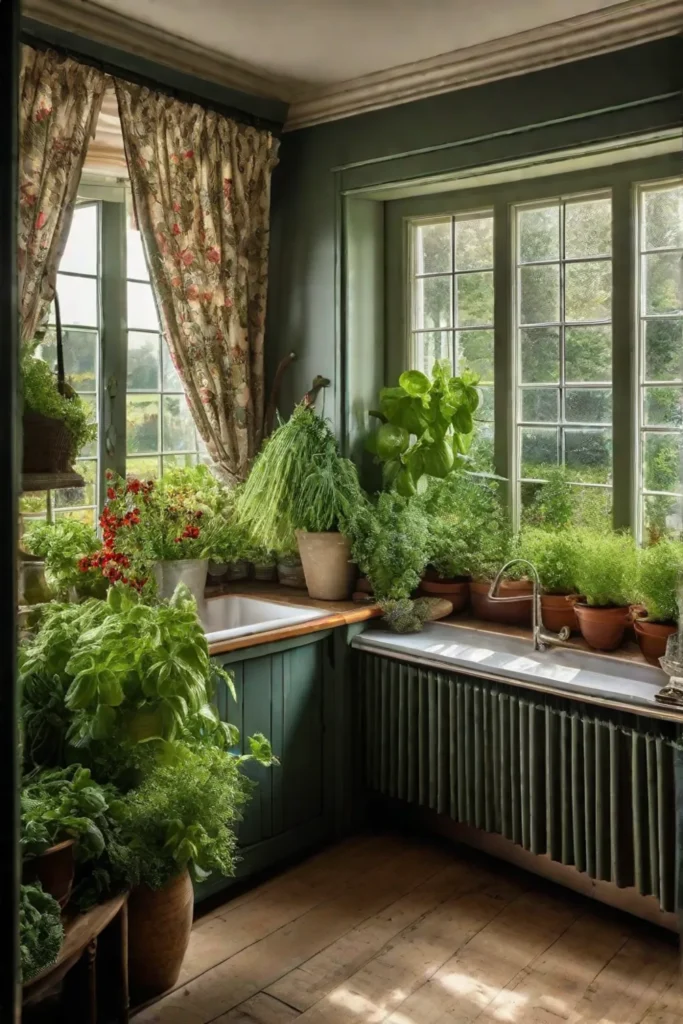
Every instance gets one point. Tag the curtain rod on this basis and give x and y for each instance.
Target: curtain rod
(185, 96)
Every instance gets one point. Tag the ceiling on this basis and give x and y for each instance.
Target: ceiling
(322, 42)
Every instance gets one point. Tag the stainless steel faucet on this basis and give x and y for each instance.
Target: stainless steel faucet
(542, 638)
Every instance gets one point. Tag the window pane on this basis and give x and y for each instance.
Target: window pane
(178, 461)
(588, 455)
(433, 248)
(663, 283)
(178, 425)
(90, 401)
(663, 215)
(33, 503)
(80, 357)
(588, 354)
(592, 507)
(474, 299)
(135, 257)
(664, 407)
(80, 254)
(663, 517)
(662, 462)
(539, 234)
(481, 452)
(171, 380)
(588, 291)
(540, 355)
(433, 302)
(540, 451)
(540, 405)
(540, 294)
(87, 495)
(146, 468)
(475, 352)
(588, 405)
(429, 346)
(664, 350)
(143, 361)
(142, 423)
(142, 314)
(77, 301)
(485, 408)
(82, 515)
(474, 243)
(588, 228)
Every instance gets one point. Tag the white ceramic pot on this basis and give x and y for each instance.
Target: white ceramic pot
(328, 569)
(190, 571)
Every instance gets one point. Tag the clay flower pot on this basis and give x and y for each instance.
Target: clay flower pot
(652, 637)
(602, 628)
(456, 590)
(159, 926)
(54, 869)
(513, 613)
(326, 558)
(557, 611)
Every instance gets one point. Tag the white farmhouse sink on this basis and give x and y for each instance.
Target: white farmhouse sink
(230, 616)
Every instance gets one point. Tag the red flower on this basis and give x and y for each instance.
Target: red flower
(43, 112)
(176, 229)
(176, 207)
(111, 493)
(40, 220)
(213, 254)
(109, 475)
(207, 296)
(192, 291)
(133, 486)
(84, 564)
(187, 257)
(199, 514)
(176, 282)
(188, 154)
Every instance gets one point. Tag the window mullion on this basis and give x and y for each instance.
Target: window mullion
(505, 439)
(624, 364)
(113, 342)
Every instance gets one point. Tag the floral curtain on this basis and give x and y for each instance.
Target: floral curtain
(201, 191)
(59, 103)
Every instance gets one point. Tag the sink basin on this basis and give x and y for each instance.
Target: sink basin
(230, 616)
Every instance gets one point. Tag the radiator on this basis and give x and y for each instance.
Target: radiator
(587, 787)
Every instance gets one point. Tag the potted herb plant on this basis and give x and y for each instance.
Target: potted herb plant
(62, 546)
(605, 571)
(554, 555)
(41, 932)
(299, 493)
(658, 577)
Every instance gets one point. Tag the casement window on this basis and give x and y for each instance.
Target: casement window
(115, 358)
(565, 295)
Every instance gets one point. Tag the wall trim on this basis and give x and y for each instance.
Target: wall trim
(625, 24)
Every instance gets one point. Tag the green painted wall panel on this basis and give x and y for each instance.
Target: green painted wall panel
(302, 748)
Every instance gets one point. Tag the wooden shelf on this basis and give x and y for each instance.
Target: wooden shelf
(50, 481)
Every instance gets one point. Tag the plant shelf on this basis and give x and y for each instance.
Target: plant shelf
(50, 481)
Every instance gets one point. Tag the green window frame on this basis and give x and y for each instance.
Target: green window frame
(625, 183)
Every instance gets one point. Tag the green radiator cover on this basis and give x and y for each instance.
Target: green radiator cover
(585, 786)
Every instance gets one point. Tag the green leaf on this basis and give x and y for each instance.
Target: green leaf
(415, 383)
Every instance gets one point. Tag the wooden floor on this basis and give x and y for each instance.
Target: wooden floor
(402, 931)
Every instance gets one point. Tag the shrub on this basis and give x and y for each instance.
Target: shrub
(606, 567)
(555, 556)
(658, 580)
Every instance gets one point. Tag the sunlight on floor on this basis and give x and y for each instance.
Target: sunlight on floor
(373, 1013)
(509, 1005)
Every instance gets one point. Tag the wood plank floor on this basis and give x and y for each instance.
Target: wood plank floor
(396, 930)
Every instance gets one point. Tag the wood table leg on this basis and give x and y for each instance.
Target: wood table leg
(124, 1004)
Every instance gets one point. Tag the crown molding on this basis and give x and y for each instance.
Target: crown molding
(616, 27)
(111, 28)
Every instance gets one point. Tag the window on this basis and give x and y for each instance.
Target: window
(660, 259)
(160, 431)
(453, 308)
(563, 357)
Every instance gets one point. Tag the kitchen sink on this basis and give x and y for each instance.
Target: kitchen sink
(231, 616)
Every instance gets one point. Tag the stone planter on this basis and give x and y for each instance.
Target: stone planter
(326, 558)
(190, 571)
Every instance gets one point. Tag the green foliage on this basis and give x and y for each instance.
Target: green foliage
(130, 672)
(40, 930)
(298, 482)
(404, 616)
(42, 395)
(470, 531)
(658, 580)
(61, 545)
(605, 568)
(45, 718)
(391, 544)
(554, 553)
(553, 504)
(197, 487)
(64, 804)
(183, 814)
(438, 413)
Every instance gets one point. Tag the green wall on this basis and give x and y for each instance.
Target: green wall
(325, 300)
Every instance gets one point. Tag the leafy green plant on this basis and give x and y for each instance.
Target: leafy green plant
(553, 504)
(131, 672)
(437, 413)
(62, 545)
(470, 528)
(554, 553)
(183, 814)
(659, 576)
(197, 487)
(58, 804)
(42, 395)
(299, 481)
(605, 568)
(41, 932)
(391, 544)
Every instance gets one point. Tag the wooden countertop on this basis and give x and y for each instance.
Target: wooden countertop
(340, 613)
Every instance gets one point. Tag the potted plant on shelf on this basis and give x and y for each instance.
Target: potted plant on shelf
(300, 492)
(605, 570)
(554, 555)
(41, 932)
(658, 576)
(62, 545)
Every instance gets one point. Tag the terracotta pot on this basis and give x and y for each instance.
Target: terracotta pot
(457, 591)
(54, 869)
(513, 613)
(603, 629)
(326, 558)
(652, 637)
(159, 926)
(557, 611)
